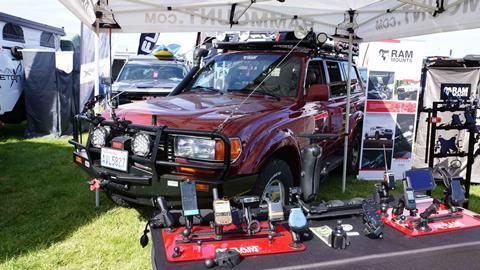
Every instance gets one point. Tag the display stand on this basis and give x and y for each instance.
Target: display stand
(448, 106)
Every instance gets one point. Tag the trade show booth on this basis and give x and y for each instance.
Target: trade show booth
(156, 154)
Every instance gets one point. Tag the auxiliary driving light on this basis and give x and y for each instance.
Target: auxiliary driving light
(99, 137)
(141, 144)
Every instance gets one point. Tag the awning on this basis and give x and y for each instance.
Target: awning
(372, 19)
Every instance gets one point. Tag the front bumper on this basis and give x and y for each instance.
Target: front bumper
(148, 178)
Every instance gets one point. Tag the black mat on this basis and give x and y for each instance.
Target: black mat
(453, 250)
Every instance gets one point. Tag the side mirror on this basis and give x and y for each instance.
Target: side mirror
(106, 80)
(198, 54)
(318, 92)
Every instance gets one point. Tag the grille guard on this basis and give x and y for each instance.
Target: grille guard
(161, 135)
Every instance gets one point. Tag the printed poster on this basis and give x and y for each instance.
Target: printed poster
(393, 83)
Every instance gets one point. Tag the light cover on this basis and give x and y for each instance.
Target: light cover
(99, 137)
(194, 147)
(141, 144)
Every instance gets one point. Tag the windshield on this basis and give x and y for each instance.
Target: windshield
(243, 72)
(152, 72)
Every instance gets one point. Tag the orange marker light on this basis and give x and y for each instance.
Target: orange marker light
(194, 171)
(78, 159)
(235, 149)
(202, 187)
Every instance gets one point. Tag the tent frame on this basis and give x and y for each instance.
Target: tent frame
(419, 7)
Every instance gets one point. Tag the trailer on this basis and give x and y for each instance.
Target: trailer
(18, 34)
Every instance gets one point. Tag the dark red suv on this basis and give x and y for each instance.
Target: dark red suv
(215, 131)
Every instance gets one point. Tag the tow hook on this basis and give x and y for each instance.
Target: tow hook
(95, 184)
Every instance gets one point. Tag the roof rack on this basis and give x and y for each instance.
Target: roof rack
(338, 49)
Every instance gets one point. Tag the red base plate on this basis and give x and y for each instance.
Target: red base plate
(467, 220)
(256, 244)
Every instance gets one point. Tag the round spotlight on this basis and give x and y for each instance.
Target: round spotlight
(244, 35)
(141, 144)
(99, 137)
(222, 36)
(322, 38)
(300, 33)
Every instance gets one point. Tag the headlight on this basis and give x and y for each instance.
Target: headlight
(99, 137)
(141, 144)
(192, 147)
(207, 149)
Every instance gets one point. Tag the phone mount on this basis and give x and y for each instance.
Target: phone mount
(407, 201)
(454, 193)
(445, 147)
(425, 215)
(298, 225)
(163, 218)
(339, 238)
(247, 203)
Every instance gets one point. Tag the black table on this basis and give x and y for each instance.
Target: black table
(453, 250)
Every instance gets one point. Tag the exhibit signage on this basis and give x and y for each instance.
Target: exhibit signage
(11, 81)
(457, 90)
(394, 69)
(146, 43)
(441, 83)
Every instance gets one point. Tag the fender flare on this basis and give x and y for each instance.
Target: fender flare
(274, 143)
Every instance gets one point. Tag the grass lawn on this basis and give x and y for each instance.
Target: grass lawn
(48, 219)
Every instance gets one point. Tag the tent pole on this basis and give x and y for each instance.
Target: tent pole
(347, 111)
(96, 89)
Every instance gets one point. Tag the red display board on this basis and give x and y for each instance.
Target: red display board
(257, 244)
(467, 220)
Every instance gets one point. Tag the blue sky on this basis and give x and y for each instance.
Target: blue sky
(53, 13)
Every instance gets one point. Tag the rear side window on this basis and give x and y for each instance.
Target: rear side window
(47, 40)
(345, 68)
(13, 32)
(334, 72)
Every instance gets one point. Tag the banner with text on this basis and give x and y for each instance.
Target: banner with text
(394, 69)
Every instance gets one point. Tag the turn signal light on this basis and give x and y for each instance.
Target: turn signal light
(202, 187)
(78, 159)
(235, 149)
(194, 171)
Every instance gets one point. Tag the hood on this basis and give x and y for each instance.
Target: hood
(201, 111)
(142, 85)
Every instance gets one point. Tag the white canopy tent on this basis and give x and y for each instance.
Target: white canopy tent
(363, 20)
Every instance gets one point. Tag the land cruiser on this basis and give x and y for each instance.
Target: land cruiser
(237, 124)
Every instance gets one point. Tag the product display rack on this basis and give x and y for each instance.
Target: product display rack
(449, 106)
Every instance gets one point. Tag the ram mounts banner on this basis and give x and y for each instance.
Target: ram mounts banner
(394, 69)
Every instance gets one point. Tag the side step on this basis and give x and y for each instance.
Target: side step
(333, 163)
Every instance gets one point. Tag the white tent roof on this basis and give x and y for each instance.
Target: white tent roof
(375, 19)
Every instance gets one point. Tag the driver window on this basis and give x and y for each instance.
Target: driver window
(314, 74)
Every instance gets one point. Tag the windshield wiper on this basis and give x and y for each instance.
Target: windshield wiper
(268, 94)
(208, 88)
(257, 91)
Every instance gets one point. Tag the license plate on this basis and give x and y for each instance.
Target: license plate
(114, 159)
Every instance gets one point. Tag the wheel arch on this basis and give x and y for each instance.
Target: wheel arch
(289, 153)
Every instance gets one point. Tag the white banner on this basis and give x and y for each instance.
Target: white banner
(394, 70)
(414, 23)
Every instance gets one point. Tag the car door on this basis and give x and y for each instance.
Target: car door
(318, 109)
(336, 104)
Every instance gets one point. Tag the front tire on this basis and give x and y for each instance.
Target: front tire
(353, 159)
(274, 181)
